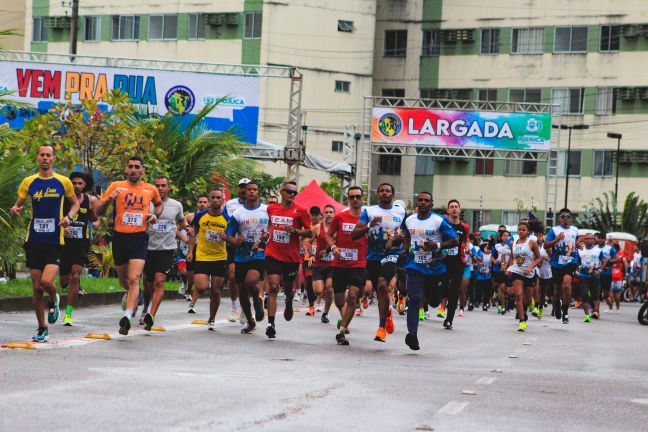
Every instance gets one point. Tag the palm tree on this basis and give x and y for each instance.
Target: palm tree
(599, 214)
(199, 157)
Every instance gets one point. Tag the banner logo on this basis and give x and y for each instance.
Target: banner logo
(390, 125)
(533, 126)
(179, 100)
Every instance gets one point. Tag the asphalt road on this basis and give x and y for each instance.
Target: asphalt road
(481, 376)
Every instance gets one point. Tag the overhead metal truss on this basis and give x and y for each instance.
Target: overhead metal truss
(457, 153)
(165, 65)
(463, 105)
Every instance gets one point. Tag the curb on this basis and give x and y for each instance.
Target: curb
(22, 304)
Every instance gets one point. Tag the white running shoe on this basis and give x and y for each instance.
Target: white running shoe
(234, 315)
(242, 318)
(211, 326)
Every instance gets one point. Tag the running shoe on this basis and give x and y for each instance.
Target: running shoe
(188, 297)
(211, 325)
(182, 290)
(341, 339)
(608, 310)
(381, 335)
(540, 311)
(53, 312)
(427, 315)
(358, 312)
(81, 292)
(485, 308)
(471, 307)
(288, 311)
(578, 304)
(534, 312)
(41, 336)
(532, 306)
(595, 315)
(400, 306)
(422, 315)
(243, 318)
(271, 332)
(234, 315)
(148, 321)
(259, 313)
(249, 328)
(412, 342)
(587, 318)
(500, 310)
(441, 313)
(141, 321)
(447, 325)
(565, 319)
(339, 324)
(124, 325)
(67, 320)
(191, 309)
(461, 312)
(310, 311)
(522, 326)
(318, 308)
(365, 302)
(389, 322)
(558, 313)
(324, 318)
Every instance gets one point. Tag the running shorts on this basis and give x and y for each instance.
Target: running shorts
(242, 269)
(161, 261)
(211, 268)
(74, 253)
(38, 255)
(287, 270)
(129, 246)
(344, 277)
(376, 269)
(322, 273)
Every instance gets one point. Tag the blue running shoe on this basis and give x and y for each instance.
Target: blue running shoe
(53, 313)
(41, 335)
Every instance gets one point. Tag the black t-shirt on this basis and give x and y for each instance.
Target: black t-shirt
(453, 259)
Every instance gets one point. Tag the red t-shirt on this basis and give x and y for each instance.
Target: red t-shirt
(284, 246)
(354, 252)
(617, 268)
(322, 258)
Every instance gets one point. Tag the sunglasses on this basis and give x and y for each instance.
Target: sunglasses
(565, 216)
(353, 197)
(290, 191)
(134, 166)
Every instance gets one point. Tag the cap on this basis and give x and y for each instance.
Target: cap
(244, 181)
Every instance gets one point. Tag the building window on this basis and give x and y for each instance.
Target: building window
(125, 27)
(92, 29)
(431, 45)
(163, 27)
(484, 166)
(574, 163)
(395, 43)
(196, 26)
(393, 92)
(424, 166)
(527, 41)
(570, 100)
(253, 22)
(610, 38)
(605, 101)
(517, 168)
(570, 39)
(603, 163)
(345, 26)
(389, 164)
(530, 95)
(428, 93)
(512, 217)
(490, 41)
(487, 95)
(40, 31)
(342, 86)
(336, 146)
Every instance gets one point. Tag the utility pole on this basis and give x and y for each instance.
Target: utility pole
(73, 27)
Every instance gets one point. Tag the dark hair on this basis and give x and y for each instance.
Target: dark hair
(202, 196)
(165, 178)
(216, 188)
(136, 158)
(536, 226)
(500, 234)
(78, 174)
(329, 206)
(616, 247)
(564, 210)
(288, 182)
(600, 235)
(524, 224)
(315, 211)
(471, 237)
(393, 190)
(424, 192)
(252, 182)
(501, 226)
(453, 201)
(47, 145)
(355, 188)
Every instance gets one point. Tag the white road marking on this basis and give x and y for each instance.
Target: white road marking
(453, 408)
(640, 401)
(485, 380)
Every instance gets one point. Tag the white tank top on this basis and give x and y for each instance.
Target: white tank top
(522, 258)
(544, 272)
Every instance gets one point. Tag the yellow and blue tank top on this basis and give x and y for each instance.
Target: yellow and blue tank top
(47, 195)
(208, 228)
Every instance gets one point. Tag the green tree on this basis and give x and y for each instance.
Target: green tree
(333, 187)
(268, 184)
(599, 214)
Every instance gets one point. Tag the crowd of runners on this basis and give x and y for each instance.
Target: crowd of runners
(408, 262)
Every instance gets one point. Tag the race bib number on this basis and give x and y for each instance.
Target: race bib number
(453, 252)
(328, 257)
(252, 236)
(281, 236)
(484, 268)
(133, 219)
(213, 236)
(74, 232)
(314, 249)
(349, 254)
(44, 225)
(422, 257)
(163, 227)
(564, 260)
(389, 258)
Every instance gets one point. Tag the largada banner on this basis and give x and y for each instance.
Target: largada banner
(182, 93)
(467, 129)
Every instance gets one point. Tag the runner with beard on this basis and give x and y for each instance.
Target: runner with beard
(456, 264)
(321, 263)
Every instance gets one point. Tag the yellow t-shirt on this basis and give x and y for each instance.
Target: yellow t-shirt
(209, 246)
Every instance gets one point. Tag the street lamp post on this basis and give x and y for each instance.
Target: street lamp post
(617, 136)
(576, 127)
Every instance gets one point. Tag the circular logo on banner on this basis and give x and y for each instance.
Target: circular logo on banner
(390, 125)
(533, 126)
(179, 100)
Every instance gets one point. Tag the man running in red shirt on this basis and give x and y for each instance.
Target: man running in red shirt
(350, 262)
(287, 222)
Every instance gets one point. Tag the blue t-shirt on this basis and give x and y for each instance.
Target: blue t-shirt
(484, 267)
(562, 253)
(380, 242)
(251, 224)
(609, 253)
(433, 229)
(589, 261)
